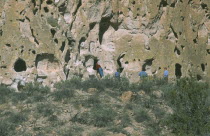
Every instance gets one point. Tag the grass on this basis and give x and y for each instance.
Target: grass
(118, 129)
(183, 108)
(98, 116)
(6, 128)
(5, 94)
(71, 131)
(45, 109)
(191, 109)
(141, 115)
(98, 133)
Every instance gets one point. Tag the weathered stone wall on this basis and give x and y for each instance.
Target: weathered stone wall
(52, 40)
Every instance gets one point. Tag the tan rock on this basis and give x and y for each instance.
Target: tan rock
(7, 81)
(127, 34)
(127, 96)
(120, 134)
(92, 90)
(157, 94)
(141, 93)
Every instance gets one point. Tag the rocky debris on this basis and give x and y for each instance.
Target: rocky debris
(127, 96)
(157, 94)
(71, 35)
(141, 93)
(92, 90)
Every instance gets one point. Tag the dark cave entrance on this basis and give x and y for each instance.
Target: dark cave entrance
(120, 68)
(20, 65)
(178, 70)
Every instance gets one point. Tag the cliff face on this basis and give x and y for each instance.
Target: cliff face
(52, 40)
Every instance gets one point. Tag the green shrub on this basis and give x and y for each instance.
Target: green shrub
(159, 113)
(71, 131)
(32, 89)
(99, 116)
(45, 110)
(17, 118)
(153, 129)
(93, 100)
(113, 83)
(6, 128)
(189, 102)
(53, 118)
(93, 83)
(32, 92)
(5, 93)
(147, 86)
(63, 94)
(102, 116)
(98, 133)
(118, 129)
(19, 96)
(141, 115)
(10, 122)
(125, 119)
(74, 83)
(66, 89)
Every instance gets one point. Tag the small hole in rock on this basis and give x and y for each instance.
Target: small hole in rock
(199, 77)
(56, 41)
(177, 51)
(8, 45)
(46, 9)
(20, 65)
(178, 70)
(203, 67)
(67, 57)
(63, 46)
(34, 52)
(49, 2)
(52, 32)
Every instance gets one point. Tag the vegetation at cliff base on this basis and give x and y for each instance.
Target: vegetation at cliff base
(107, 107)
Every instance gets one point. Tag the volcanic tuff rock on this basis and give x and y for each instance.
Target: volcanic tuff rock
(52, 40)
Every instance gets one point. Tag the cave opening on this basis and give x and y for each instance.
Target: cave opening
(53, 32)
(163, 3)
(204, 6)
(62, 9)
(178, 70)
(35, 11)
(92, 25)
(81, 43)
(63, 46)
(103, 27)
(67, 56)
(1, 32)
(147, 66)
(203, 67)
(46, 10)
(56, 41)
(121, 68)
(49, 2)
(45, 56)
(20, 65)
(199, 77)
(177, 51)
(95, 60)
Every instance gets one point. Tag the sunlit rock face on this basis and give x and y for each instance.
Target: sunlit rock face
(52, 40)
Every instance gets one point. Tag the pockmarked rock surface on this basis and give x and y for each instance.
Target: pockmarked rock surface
(52, 40)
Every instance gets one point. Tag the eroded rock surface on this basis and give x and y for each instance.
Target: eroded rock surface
(52, 40)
